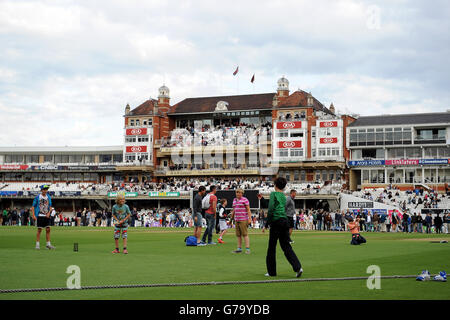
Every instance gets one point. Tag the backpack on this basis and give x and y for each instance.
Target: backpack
(205, 201)
(190, 241)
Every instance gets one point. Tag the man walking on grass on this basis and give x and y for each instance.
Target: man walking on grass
(210, 215)
(290, 212)
(197, 213)
(40, 211)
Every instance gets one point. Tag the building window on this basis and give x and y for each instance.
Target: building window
(322, 152)
(431, 152)
(388, 136)
(335, 152)
(317, 175)
(444, 152)
(48, 158)
(413, 153)
(283, 134)
(370, 137)
(296, 134)
(296, 152)
(379, 136)
(89, 158)
(407, 136)
(362, 137)
(353, 137)
(117, 157)
(31, 159)
(357, 154)
(398, 136)
(13, 158)
(132, 122)
(283, 152)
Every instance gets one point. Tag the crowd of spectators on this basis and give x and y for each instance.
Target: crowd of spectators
(304, 219)
(242, 134)
(408, 201)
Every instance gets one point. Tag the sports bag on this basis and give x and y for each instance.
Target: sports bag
(191, 241)
(205, 201)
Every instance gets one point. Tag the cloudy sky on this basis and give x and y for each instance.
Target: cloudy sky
(68, 68)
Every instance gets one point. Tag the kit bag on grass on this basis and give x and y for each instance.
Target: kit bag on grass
(191, 241)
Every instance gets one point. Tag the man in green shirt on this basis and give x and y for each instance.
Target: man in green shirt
(4, 217)
(279, 230)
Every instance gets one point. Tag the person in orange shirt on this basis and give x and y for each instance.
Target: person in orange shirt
(353, 226)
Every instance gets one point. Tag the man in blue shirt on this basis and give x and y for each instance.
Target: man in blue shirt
(40, 211)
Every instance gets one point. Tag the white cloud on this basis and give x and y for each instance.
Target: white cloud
(79, 63)
(38, 18)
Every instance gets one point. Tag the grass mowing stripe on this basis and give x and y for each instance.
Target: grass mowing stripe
(203, 283)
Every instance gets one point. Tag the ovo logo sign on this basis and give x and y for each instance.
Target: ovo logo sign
(328, 124)
(136, 131)
(288, 144)
(328, 140)
(289, 125)
(136, 149)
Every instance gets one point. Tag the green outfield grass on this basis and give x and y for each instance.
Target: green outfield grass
(159, 256)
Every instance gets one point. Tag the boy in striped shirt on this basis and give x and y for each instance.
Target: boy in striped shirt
(242, 215)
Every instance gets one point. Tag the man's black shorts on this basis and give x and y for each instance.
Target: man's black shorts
(43, 222)
(290, 222)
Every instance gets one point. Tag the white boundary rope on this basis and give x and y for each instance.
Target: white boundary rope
(154, 285)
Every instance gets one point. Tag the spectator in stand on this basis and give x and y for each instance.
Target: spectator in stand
(383, 220)
(428, 222)
(108, 217)
(133, 216)
(319, 218)
(78, 218)
(83, 217)
(14, 217)
(405, 222)
(394, 222)
(61, 219)
(375, 221)
(419, 221)
(388, 222)
(98, 218)
(447, 222)
(26, 217)
(2, 217)
(438, 223)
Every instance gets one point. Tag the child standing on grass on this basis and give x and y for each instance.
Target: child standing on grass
(242, 215)
(221, 210)
(279, 230)
(121, 213)
(353, 226)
